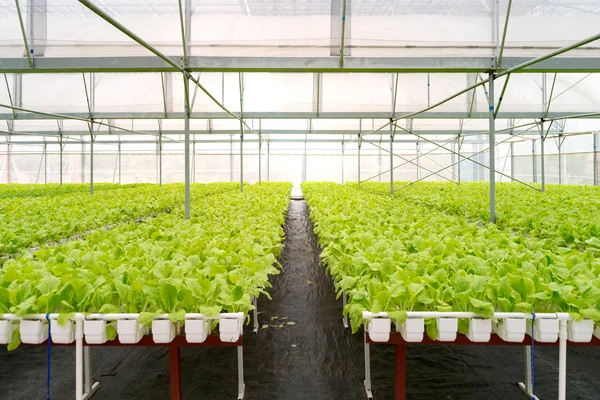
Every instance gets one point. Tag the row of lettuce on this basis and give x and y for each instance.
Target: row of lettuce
(17, 190)
(393, 255)
(215, 262)
(562, 215)
(31, 221)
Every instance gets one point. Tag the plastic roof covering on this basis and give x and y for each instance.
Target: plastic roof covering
(302, 28)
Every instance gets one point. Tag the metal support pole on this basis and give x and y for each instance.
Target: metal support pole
(45, 164)
(400, 372)
(492, 147)
(268, 160)
(241, 82)
(342, 163)
(186, 84)
(119, 150)
(562, 360)
(417, 150)
(60, 158)
(560, 142)
(92, 161)
(458, 154)
(596, 158)
(175, 373)
(534, 164)
(367, 381)
(241, 384)
(543, 161)
(359, 145)
(259, 160)
(512, 162)
(391, 159)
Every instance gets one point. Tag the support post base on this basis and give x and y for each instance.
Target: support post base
(94, 389)
(527, 392)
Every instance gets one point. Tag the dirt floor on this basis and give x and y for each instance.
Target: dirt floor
(315, 358)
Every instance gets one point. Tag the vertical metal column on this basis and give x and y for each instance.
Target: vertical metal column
(492, 145)
(92, 159)
(268, 160)
(241, 81)
(359, 145)
(596, 159)
(342, 162)
(231, 157)
(512, 162)
(391, 158)
(560, 166)
(186, 84)
(259, 159)
(417, 149)
(543, 162)
(119, 158)
(45, 164)
(60, 156)
(459, 159)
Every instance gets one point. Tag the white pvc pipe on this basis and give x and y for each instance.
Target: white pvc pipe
(461, 314)
(81, 316)
(562, 359)
(79, 359)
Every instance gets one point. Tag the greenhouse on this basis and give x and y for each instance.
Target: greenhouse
(299, 199)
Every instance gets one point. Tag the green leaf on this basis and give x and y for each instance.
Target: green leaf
(398, 316)
(237, 293)
(177, 316)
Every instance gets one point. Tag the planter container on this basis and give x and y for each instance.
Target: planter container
(196, 330)
(163, 331)
(412, 330)
(511, 329)
(379, 329)
(62, 334)
(130, 331)
(34, 332)
(581, 331)
(596, 332)
(545, 330)
(480, 330)
(447, 329)
(6, 330)
(94, 331)
(230, 329)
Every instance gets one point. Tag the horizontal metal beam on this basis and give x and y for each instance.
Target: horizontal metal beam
(292, 115)
(228, 141)
(294, 64)
(213, 132)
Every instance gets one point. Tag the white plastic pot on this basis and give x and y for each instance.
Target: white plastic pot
(34, 332)
(379, 329)
(230, 329)
(545, 330)
(480, 330)
(6, 330)
(196, 330)
(596, 332)
(511, 329)
(447, 329)
(581, 331)
(94, 331)
(412, 329)
(163, 331)
(130, 331)
(62, 334)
